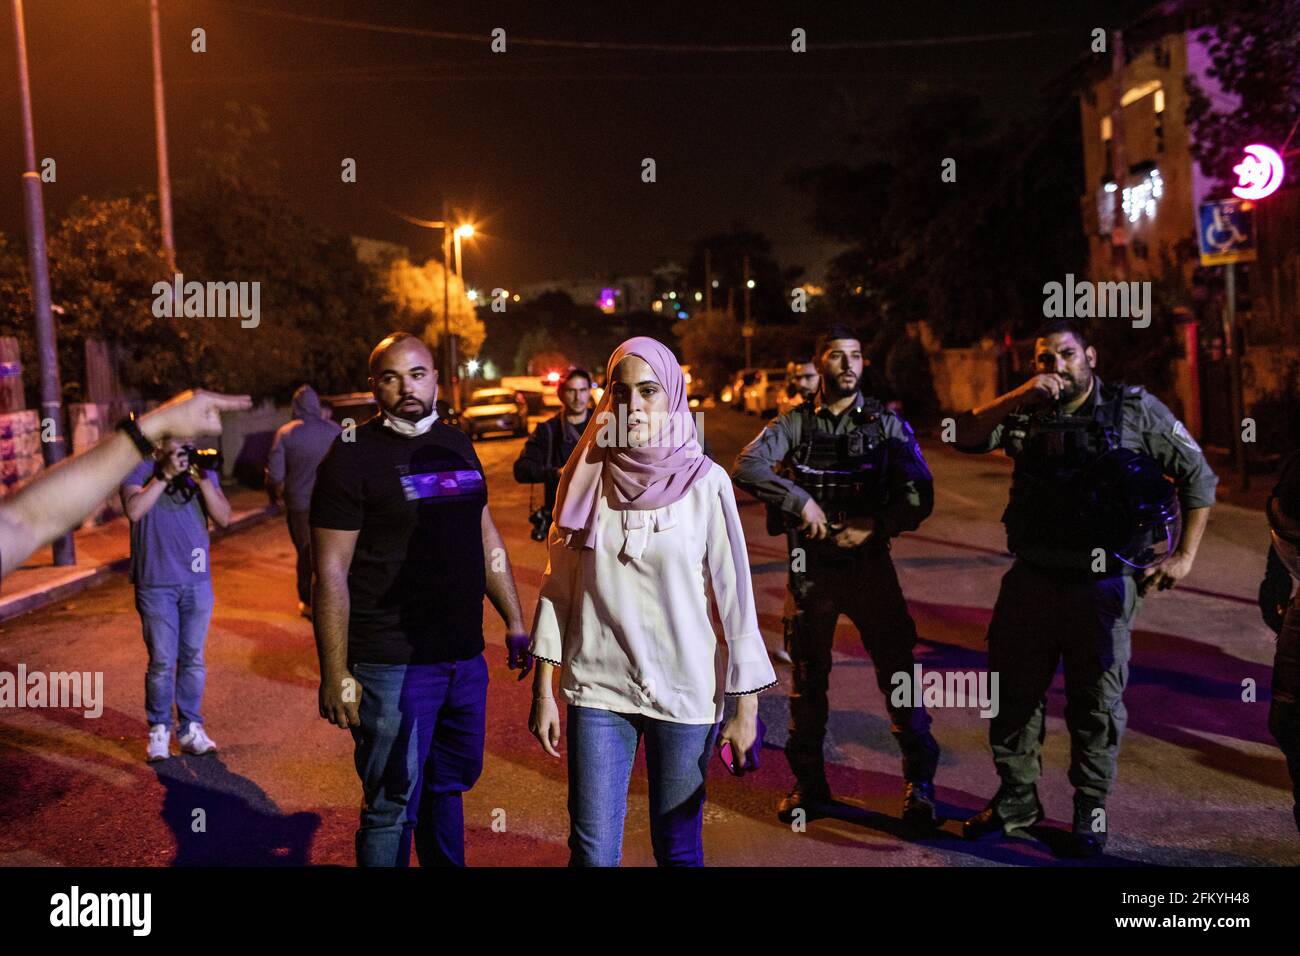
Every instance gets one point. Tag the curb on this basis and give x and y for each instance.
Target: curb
(33, 599)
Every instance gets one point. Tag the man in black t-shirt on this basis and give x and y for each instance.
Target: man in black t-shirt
(405, 550)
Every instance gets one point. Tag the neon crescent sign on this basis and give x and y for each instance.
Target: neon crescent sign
(1259, 174)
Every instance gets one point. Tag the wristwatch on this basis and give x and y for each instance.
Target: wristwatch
(132, 429)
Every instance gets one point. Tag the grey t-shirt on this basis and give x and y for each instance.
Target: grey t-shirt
(166, 542)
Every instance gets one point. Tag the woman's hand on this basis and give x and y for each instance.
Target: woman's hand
(544, 724)
(741, 730)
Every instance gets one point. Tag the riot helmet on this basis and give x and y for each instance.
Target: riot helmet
(1132, 508)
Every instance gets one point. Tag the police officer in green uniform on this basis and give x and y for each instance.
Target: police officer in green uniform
(841, 477)
(1064, 597)
(1281, 606)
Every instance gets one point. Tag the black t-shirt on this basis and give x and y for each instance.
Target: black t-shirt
(416, 582)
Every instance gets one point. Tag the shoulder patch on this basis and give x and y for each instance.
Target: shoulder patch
(1184, 437)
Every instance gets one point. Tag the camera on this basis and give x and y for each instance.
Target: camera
(208, 459)
(541, 522)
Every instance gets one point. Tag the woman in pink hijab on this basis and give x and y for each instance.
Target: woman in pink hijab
(646, 533)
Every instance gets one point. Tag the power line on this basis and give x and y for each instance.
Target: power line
(543, 42)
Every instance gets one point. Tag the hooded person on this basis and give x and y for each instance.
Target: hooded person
(646, 534)
(297, 450)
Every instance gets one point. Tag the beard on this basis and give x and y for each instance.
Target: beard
(833, 386)
(412, 413)
(1075, 386)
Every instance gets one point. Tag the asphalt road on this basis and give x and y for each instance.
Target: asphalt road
(1200, 780)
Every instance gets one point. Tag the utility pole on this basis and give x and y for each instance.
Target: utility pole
(46, 345)
(446, 305)
(1236, 399)
(160, 136)
(1119, 168)
(747, 330)
(708, 281)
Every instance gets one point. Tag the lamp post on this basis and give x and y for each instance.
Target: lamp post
(451, 235)
(46, 343)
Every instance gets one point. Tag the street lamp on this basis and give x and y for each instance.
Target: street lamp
(449, 232)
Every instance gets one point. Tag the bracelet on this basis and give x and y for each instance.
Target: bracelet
(132, 430)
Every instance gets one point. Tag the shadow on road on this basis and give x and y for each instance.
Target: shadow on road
(222, 819)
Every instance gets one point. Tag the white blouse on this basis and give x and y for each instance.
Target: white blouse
(628, 620)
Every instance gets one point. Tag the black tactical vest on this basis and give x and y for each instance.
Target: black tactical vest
(1052, 450)
(845, 474)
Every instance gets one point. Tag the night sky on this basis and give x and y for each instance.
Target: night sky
(541, 145)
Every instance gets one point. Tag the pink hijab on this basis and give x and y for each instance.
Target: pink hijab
(641, 478)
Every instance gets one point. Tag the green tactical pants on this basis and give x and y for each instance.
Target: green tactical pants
(864, 588)
(1043, 616)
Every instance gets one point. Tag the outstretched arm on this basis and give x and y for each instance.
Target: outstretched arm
(53, 503)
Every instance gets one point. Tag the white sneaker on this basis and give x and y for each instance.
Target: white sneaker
(160, 739)
(195, 741)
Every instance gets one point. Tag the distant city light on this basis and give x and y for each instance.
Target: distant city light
(672, 295)
(1111, 187)
(516, 296)
(715, 283)
(749, 284)
(472, 295)
(472, 366)
(553, 377)
(699, 296)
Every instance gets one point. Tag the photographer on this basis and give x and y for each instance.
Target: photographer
(57, 500)
(551, 443)
(169, 500)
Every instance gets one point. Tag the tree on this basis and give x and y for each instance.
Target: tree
(967, 252)
(708, 345)
(417, 292)
(1254, 49)
(769, 300)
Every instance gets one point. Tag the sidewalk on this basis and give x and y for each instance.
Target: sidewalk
(103, 551)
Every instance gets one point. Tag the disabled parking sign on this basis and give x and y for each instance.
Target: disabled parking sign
(1226, 232)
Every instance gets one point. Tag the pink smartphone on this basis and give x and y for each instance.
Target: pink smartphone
(726, 754)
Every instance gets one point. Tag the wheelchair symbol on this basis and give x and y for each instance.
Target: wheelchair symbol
(1222, 234)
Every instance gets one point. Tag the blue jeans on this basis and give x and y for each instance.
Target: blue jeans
(419, 747)
(602, 746)
(175, 621)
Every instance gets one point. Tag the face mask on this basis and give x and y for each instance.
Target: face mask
(410, 429)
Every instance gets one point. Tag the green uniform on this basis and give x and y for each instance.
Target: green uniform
(1053, 606)
(860, 583)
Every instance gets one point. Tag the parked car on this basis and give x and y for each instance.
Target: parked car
(495, 410)
(733, 393)
(763, 394)
(696, 388)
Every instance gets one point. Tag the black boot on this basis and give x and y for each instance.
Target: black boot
(1089, 830)
(1009, 810)
(918, 805)
(809, 795)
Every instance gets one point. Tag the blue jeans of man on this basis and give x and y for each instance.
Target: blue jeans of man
(602, 747)
(419, 747)
(175, 621)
